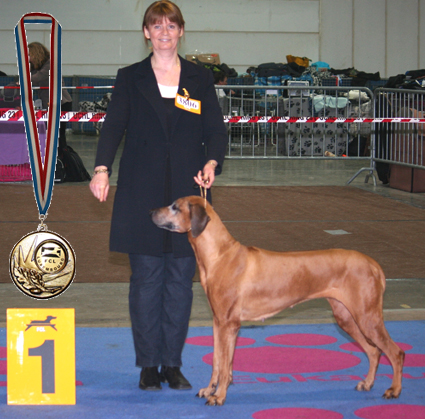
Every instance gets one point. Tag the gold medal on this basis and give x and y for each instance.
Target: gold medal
(42, 264)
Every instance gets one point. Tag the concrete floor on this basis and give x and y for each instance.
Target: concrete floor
(105, 305)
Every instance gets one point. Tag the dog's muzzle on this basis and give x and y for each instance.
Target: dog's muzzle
(160, 220)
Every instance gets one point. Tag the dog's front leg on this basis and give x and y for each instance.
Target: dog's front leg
(210, 390)
(225, 335)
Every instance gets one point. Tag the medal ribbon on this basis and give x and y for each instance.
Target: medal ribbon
(42, 172)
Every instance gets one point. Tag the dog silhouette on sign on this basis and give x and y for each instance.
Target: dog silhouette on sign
(42, 323)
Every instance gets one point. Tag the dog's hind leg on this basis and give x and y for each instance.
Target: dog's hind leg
(374, 329)
(346, 321)
(368, 329)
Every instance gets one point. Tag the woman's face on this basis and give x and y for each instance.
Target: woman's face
(164, 35)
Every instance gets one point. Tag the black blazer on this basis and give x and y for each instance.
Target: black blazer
(138, 111)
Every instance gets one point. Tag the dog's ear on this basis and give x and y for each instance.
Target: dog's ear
(198, 219)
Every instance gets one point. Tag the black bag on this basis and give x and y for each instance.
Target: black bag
(59, 171)
(74, 166)
(294, 70)
(229, 72)
(416, 74)
(271, 69)
(395, 81)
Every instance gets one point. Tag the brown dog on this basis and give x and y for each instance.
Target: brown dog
(248, 283)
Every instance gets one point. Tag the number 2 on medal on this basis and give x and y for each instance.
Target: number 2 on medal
(47, 353)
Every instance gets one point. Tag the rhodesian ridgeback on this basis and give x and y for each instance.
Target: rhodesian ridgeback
(248, 283)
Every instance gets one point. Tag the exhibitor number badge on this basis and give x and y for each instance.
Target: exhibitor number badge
(42, 264)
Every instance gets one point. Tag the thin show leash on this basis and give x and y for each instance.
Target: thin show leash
(204, 189)
(204, 194)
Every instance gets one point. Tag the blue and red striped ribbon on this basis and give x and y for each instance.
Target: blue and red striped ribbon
(42, 172)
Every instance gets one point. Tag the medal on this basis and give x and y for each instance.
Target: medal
(42, 263)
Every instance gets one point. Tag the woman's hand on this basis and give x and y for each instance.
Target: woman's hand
(206, 177)
(99, 184)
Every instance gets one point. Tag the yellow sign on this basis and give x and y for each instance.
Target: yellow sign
(187, 104)
(41, 356)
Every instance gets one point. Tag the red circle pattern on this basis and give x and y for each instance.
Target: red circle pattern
(394, 411)
(3, 367)
(287, 360)
(296, 413)
(209, 341)
(276, 360)
(355, 347)
(302, 339)
(410, 360)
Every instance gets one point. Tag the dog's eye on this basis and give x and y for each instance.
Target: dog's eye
(174, 207)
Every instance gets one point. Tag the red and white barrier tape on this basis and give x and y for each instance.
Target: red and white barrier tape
(314, 120)
(63, 87)
(16, 115)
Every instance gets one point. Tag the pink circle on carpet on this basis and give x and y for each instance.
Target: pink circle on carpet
(296, 413)
(3, 352)
(3, 367)
(277, 360)
(392, 411)
(411, 360)
(302, 339)
(209, 341)
(355, 347)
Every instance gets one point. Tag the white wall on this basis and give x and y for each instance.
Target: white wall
(99, 36)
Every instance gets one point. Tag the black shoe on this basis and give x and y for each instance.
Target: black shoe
(149, 379)
(174, 378)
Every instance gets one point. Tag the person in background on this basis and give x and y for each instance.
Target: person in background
(220, 79)
(39, 57)
(168, 150)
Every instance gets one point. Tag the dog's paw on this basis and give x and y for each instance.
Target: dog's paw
(215, 401)
(391, 393)
(363, 386)
(205, 392)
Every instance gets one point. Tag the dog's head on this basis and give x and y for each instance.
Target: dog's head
(184, 215)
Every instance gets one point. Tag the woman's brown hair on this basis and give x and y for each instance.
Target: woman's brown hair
(39, 54)
(159, 10)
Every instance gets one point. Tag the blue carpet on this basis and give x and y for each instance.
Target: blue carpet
(291, 371)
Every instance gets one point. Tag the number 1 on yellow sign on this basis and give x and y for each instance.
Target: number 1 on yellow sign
(41, 356)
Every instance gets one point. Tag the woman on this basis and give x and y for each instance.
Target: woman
(167, 149)
(39, 57)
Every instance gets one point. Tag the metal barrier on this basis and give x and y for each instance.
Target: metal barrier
(398, 139)
(401, 142)
(268, 122)
(290, 122)
(297, 122)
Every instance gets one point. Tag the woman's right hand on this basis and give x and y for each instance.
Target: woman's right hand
(99, 185)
